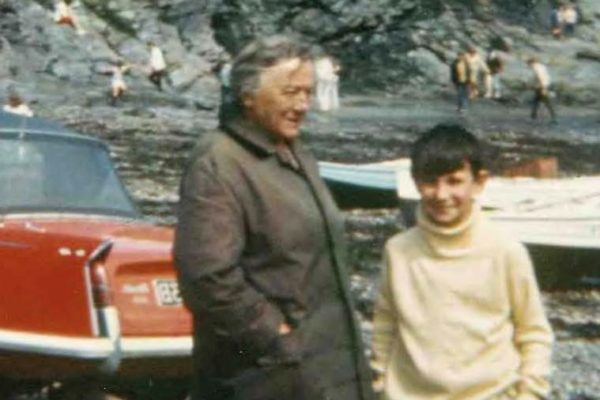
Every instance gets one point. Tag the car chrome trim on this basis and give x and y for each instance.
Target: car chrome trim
(109, 316)
(52, 134)
(99, 251)
(69, 215)
(139, 347)
(156, 346)
(109, 351)
(90, 301)
(54, 345)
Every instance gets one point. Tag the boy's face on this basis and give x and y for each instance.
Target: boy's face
(447, 200)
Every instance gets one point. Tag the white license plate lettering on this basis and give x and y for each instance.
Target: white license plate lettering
(167, 292)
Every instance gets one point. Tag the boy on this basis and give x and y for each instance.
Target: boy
(459, 314)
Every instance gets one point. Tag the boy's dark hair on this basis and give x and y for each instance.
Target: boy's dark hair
(444, 149)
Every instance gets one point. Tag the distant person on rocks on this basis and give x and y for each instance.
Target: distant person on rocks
(224, 74)
(223, 71)
(326, 71)
(16, 105)
(541, 84)
(495, 63)
(478, 69)
(459, 75)
(569, 18)
(64, 15)
(578, 10)
(459, 313)
(556, 15)
(157, 65)
(118, 87)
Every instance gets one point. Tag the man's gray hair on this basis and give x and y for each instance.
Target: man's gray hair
(260, 54)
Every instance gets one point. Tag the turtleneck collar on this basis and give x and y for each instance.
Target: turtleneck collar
(453, 241)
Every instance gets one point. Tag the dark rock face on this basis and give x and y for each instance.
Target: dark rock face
(390, 45)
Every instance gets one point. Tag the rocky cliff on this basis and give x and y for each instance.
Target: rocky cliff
(398, 46)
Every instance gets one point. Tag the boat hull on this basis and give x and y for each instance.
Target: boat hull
(365, 186)
(557, 263)
(349, 196)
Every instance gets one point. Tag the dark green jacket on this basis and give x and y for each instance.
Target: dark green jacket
(259, 242)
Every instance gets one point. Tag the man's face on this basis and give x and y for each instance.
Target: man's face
(282, 98)
(447, 200)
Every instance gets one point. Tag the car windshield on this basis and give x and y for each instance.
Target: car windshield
(40, 173)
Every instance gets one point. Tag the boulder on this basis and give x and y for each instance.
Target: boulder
(429, 65)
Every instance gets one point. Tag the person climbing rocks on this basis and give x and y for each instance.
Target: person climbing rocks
(459, 75)
(118, 87)
(541, 84)
(64, 15)
(478, 69)
(157, 65)
(495, 64)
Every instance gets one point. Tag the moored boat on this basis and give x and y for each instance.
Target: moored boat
(557, 211)
(557, 218)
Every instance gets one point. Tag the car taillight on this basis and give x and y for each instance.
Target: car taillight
(101, 291)
(100, 286)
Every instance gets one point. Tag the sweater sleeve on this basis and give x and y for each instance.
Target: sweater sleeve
(533, 336)
(384, 322)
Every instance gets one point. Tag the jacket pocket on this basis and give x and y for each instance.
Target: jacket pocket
(284, 350)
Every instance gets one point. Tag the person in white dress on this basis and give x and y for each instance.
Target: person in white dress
(16, 105)
(541, 85)
(326, 71)
(64, 15)
(118, 86)
(157, 65)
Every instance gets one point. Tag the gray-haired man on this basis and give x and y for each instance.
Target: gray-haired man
(259, 247)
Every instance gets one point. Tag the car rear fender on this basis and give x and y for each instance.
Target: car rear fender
(145, 291)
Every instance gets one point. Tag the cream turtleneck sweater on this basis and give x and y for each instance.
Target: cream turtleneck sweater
(459, 316)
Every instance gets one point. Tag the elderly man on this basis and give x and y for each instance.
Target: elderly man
(259, 247)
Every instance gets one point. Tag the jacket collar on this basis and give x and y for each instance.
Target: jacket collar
(251, 135)
(262, 142)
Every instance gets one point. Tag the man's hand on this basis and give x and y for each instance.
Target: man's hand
(284, 329)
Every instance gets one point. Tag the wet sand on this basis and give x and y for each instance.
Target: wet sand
(151, 157)
(373, 129)
(368, 130)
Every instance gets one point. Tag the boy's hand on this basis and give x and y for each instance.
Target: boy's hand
(378, 383)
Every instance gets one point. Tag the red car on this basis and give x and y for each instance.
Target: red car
(88, 288)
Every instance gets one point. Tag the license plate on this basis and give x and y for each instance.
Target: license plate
(167, 292)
